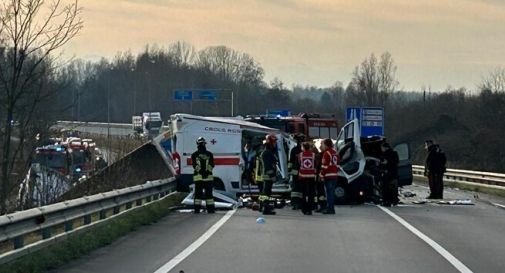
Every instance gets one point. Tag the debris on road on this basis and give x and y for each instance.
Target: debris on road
(456, 202)
(408, 194)
(260, 220)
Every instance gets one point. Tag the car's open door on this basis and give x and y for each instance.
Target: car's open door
(352, 160)
(404, 165)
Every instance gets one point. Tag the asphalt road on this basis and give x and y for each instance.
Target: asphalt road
(356, 239)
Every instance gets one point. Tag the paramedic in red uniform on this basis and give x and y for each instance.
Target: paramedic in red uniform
(329, 170)
(307, 177)
(203, 164)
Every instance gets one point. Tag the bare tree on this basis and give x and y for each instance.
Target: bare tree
(374, 80)
(184, 54)
(494, 81)
(230, 65)
(32, 30)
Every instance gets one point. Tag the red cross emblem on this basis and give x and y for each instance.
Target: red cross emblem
(213, 142)
(307, 163)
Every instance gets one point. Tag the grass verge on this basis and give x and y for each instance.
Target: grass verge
(83, 243)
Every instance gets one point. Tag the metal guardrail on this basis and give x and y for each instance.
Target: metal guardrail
(116, 129)
(27, 231)
(101, 128)
(476, 177)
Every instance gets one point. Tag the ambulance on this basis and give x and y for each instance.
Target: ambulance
(226, 138)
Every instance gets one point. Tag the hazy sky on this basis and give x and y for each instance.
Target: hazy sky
(313, 42)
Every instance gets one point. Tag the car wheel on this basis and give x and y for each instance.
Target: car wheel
(340, 195)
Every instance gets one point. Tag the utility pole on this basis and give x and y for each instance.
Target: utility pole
(232, 104)
(108, 121)
(134, 92)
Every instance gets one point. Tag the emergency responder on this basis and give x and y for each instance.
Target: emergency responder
(258, 175)
(434, 169)
(269, 166)
(249, 156)
(203, 164)
(389, 166)
(293, 168)
(320, 191)
(329, 171)
(307, 177)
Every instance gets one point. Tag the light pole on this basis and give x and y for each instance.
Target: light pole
(134, 91)
(108, 118)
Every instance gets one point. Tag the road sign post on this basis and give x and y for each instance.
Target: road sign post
(203, 95)
(371, 119)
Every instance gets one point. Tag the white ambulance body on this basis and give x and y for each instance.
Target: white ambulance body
(226, 138)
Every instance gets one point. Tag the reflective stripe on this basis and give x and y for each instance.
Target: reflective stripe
(199, 177)
(296, 194)
(262, 197)
(197, 202)
(293, 172)
(322, 198)
(267, 177)
(209, 202)
(307, 175)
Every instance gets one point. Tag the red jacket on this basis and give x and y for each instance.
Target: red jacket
(329, 164)
(307, 164)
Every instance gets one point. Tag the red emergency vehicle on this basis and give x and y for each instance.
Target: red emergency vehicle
(313, 126)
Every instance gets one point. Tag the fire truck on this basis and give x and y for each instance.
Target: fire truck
(54, 157)
(74, 157)
(313, 126)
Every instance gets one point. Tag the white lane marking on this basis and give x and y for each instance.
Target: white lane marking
(438, 248)
(195, 245)
(499, 205)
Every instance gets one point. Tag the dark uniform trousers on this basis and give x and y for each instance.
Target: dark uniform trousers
(308, 187)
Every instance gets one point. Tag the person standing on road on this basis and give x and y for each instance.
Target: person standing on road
(293, 168)
(329, 171)
(258, 174)
(320, 191)
(389, 164)
(435, 168)
(307, 177)
(249, 157)
(203, 164)
(269, 165)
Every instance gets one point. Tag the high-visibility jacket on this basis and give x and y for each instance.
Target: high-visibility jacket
(307, 164)
(329, 164)
(269, 165)
(258, 170)
(203, 164)
(294, 163)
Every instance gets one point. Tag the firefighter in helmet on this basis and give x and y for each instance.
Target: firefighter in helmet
(269, 173)
(293, 168)
(203, 164)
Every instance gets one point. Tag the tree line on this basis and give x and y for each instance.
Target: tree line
(37, 88)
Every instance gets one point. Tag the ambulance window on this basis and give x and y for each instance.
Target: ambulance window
(325, 132)
(333, 132)
(349, 131)
(314, 132)
(291, 128)
(302, 128)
